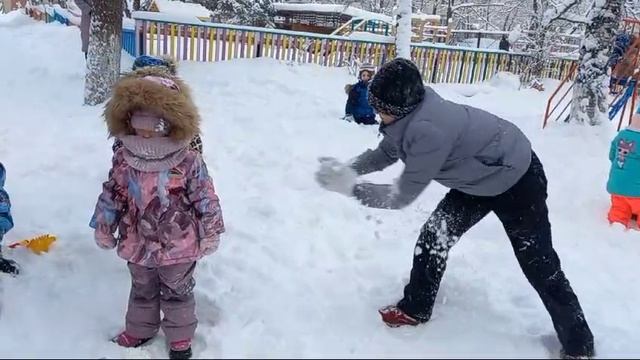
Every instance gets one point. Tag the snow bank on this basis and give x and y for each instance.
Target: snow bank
(15, 18)
(505, 81)
(367, 36)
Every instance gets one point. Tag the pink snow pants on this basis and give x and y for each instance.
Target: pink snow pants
(166, 288)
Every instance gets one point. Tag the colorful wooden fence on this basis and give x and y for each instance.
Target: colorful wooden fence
(208, 42)
(129, 41)
(198, 41)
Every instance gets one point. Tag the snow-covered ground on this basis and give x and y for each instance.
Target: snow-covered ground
(301, 272)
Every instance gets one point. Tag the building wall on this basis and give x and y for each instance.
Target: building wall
(12, 4)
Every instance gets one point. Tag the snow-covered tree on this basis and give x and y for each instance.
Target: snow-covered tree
(141, 5)
(241, 12)
(589, 103)
(632, 8)
(403, 29)
(549, 19)
(125, 9)
(103, 59)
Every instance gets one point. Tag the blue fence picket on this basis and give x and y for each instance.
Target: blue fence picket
(129, 41)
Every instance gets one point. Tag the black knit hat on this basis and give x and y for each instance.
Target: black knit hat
(397, 88)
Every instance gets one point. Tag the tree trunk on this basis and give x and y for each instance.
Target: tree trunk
(506, 22)
(136, 5)
(436, 4)
(538, 49)
(449, 12)
(589, 104)
(403, 29)
(103, 59)
(539, 53)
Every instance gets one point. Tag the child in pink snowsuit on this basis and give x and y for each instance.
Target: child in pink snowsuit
(162, 201)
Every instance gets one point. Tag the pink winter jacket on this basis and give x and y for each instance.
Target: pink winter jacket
(164, 218)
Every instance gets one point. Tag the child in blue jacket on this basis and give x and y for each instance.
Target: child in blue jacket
(6, 224)
(358, 107)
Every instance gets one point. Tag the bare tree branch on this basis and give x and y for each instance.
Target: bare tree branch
(554, 13)
(574, 19)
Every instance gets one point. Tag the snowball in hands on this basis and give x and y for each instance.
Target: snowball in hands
(336, 176)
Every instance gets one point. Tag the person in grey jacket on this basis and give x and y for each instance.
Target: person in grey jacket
(85, 23)
(489, 166)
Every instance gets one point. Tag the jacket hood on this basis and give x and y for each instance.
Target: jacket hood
(155, 89)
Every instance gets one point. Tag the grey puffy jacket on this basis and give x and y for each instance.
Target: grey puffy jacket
(459, 146)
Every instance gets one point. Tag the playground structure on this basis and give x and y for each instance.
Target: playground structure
(8, 5)
(346, 20)
(624, 83)
(425, 28)
(565, 81)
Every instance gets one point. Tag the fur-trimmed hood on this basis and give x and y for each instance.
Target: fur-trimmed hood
(133, 92)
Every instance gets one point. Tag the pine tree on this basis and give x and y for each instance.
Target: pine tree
(589, 103)
(103, 59)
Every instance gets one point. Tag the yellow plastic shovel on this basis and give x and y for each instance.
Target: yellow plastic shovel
(37, 245)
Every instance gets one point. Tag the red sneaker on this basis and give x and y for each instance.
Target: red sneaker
(125, 340)
(394, 317)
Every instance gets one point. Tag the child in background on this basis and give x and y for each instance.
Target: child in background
(624, 175)
(6, 223)
(358, 108)
(161, 200)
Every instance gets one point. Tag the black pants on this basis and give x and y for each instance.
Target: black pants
(366, 120)
(523, 213)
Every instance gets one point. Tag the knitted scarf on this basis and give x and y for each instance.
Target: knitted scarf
(153, 154)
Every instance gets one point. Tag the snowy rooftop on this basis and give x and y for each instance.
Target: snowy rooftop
(426, 17)
(347, 10)
(332, 8)
(182, 9)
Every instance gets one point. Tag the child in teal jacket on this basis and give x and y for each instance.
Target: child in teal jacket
(624, 176)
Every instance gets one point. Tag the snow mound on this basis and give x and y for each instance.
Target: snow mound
(15, 18)
(505, 81)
